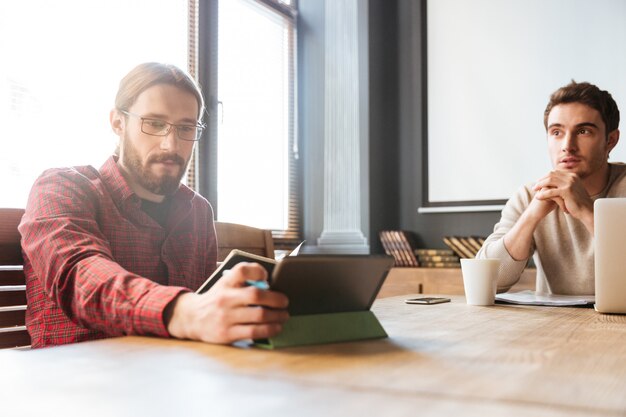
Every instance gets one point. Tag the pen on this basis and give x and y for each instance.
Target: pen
(262, 285)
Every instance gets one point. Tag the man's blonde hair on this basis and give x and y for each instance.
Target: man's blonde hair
(144, 76)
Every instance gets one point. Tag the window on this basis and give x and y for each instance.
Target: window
(257, 155)
(62, 62)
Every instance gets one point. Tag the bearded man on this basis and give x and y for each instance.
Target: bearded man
(119, 250)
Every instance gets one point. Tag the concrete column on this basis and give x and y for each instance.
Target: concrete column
(342, 132)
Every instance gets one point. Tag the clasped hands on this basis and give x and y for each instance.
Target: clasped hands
(566, 191)
(231, 310)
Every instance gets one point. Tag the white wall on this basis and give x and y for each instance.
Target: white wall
(492, 65)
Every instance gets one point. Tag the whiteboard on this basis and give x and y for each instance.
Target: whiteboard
(492, 65)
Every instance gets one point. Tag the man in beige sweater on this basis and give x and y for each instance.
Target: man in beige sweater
(552, 219)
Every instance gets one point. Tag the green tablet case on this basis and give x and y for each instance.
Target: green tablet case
(313, 329)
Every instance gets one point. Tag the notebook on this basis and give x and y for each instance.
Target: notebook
(610, 255)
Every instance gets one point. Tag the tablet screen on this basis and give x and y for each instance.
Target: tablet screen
(317, 284)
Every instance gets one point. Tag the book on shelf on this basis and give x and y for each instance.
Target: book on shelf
(433, 252)
(462, 241)
(397, 241)
(456, 245)
(464, 246)
(406, 243)
(398, 244)
(390, 247)
(440, 264)
(472, 243)
(437, 258)
(478, 240)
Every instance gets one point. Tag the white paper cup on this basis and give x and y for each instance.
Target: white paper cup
(480, 279)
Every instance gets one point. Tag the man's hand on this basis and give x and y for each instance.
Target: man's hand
(540, 208)
(567, 191)
(518, 240)
(230, 310)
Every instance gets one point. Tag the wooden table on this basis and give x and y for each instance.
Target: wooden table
(440, 360)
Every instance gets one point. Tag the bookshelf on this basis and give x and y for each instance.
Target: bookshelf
(444, 281)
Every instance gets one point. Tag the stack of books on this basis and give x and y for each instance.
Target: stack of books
(464, 246)
(437, 258)
(399, 244)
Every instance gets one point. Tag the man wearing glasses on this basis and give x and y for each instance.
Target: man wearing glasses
(117, 251)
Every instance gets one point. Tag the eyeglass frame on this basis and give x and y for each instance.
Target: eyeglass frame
(199, 126)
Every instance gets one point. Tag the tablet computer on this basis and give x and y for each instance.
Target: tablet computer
(317, 284)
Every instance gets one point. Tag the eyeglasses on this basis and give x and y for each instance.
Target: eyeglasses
(158, 127)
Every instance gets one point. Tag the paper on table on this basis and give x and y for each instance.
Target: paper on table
(531, 298)
(280, 254)
(297, 249)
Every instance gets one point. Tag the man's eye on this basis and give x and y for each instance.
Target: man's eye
(156, 124)
(555, 133)
(583, 132)
(186, 128)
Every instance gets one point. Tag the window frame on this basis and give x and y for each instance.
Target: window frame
(206, 171)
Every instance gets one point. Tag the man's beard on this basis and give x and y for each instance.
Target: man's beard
(141, 173)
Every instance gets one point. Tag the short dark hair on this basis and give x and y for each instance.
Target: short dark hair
(589, 95)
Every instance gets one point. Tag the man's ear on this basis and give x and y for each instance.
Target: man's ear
(118, 122)
(612, 141)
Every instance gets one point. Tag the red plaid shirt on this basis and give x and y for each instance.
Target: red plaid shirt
(96, 265)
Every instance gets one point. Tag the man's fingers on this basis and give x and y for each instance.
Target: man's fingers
(235, 310)
(257, 315)
(253, 331)
(548, 183)
(555, 179)
(554, 195)
(545, 181)
(266, 298)
(242, 297)
(240, 273)
(550, 194)
(547, 194)
(561, 203)
(541, 184)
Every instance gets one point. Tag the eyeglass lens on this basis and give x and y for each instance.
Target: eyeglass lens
(158, 127)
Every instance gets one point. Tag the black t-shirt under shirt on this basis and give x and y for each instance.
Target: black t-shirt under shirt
(158, 211)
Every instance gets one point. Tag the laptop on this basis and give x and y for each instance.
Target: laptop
(610, 254)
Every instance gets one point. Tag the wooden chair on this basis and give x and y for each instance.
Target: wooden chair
(238, 236)
(12, 284)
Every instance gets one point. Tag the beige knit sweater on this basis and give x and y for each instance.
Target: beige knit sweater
(562, 248)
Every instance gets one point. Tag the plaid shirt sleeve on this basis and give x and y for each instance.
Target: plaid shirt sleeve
(73, 260)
